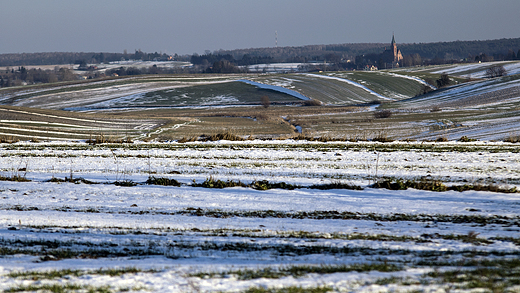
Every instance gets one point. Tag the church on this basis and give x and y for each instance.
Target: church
(391, 57)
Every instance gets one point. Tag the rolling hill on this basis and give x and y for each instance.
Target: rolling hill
(175, 106)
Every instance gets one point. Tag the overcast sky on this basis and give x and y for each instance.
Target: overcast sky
(189, 26)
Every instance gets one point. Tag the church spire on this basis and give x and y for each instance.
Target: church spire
(393, 39)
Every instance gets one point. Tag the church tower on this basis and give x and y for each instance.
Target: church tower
(397, 56)
(391, 57)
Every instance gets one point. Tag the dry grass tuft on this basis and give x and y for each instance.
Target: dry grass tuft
(8, 139)
(512, 138)
(382, 136)
(222, 136)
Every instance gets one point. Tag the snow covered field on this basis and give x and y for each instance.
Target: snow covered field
(93, 234)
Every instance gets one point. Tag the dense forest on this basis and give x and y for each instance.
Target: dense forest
(458, 50)
(499, 49)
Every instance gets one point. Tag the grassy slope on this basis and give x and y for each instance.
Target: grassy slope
(219, 93)
(337, 92)
(387, 85)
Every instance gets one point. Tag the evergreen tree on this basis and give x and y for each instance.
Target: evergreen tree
(510, 55)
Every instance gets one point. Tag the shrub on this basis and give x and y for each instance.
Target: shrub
(152, 180)
(16, 178)
(443, 81)
(481, 187)
(72, 180)
(127, 183)
(466, 139)
(312, 102)
(392, 185)
(212, 183)
(423, 184)
(432, 185)
(335, 185)
(435, 108)
(265, 185)
(383, 114)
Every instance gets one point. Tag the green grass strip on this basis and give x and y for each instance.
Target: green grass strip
(56, 274)
(288, 290)
(301, 270)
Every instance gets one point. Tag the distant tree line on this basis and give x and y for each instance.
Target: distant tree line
(21, 76)
(314, 57)
(124, 71)
(440, 52)
(498, 49)
(227, 63)
(350, 56)
(58, 58)
(245, 60)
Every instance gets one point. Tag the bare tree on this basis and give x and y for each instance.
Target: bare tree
(496, 71)
(265, 101)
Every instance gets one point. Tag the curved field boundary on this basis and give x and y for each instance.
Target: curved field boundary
(275, 88)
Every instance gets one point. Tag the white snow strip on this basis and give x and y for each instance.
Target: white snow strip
(409, 77)
(275, 88)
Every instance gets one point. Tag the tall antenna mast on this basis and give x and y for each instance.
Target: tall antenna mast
(276, 39)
